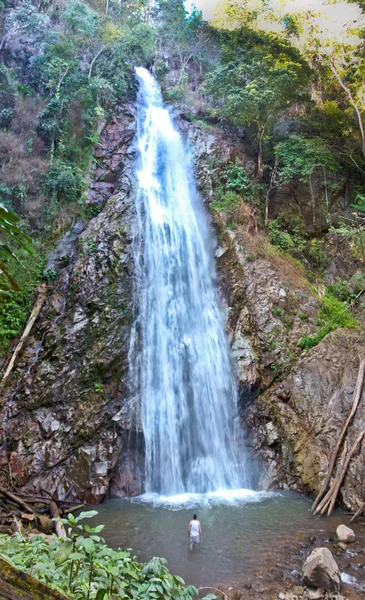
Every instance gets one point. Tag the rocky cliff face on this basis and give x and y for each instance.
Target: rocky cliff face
(72, 422)
(68, 421)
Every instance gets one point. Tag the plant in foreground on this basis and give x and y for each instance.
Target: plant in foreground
(85, 568)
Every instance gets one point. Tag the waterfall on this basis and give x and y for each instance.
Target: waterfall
(188, 395)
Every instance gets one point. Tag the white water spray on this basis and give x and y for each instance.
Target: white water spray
(187, 390)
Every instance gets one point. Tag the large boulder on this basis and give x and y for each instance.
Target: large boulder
(345, 534)
(320, 570)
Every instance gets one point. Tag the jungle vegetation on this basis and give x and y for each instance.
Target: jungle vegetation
(290, 79)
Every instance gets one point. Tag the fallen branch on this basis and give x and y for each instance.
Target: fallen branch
(342, 473)
(323, 505)
(357, 513)
(73, 509)
(33, 317)
(357, 396)
(209, 587)
(55, 514)
(16, 500)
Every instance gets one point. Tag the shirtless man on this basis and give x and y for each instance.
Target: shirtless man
(194, 532)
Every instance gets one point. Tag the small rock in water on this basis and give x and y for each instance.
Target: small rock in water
(320, 570)
(345, 534)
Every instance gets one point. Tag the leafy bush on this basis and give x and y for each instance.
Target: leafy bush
(64, 182)
(235, 178)
(15, 306)
(347, 290)
(287, 236)
(332, 315)
(355, 236)
(228, 203)
(84, 568)
(317, 254)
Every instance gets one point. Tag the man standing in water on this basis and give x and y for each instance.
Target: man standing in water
(194, 532)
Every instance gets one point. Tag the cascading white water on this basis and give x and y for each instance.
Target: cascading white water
(187, 391)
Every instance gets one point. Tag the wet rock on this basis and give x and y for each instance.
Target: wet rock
(345, 534)
(59, 424)
(272, 434)
(321, 393)
(320, 570)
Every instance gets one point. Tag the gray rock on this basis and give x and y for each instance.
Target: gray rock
(320, 570)
(345, 534)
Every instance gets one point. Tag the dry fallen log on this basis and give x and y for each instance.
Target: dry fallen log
(342, 473)
(55, 514)
(358, 513)
(33, 317)
(323, 505)
(18, 585)
(73, 509)
(357, 396)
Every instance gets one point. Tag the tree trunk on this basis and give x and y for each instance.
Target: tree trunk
(313, 199)
(18, 585)
(352, 102)
(260, 168)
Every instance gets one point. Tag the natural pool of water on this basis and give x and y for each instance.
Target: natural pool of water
(245, 534)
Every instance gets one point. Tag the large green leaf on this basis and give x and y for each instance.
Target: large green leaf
(63, 552)
(11, 279)
(87, 515)
(7, 214)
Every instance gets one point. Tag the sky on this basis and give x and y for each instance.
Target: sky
(208, 6)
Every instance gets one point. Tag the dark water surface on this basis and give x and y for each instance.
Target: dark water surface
(241, 537)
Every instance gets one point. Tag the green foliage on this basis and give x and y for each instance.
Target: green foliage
(15, 307)
(299, 157)
(355, 234)
(235, 178)
(348, 290)
(91, 245)
(252, 85)
(12, 234)
(97, 387)
(332, 315)
(287, 236)
(93, 210)
(228, 203)
(359, 204)
(317, 255)
(49, 275)
(64, 182)
(84, 568)
(277, 311)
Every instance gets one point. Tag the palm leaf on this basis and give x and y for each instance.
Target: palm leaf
(11, 279)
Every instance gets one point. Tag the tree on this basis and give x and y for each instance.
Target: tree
(253, 86)
(298, 158)
(328, 33)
